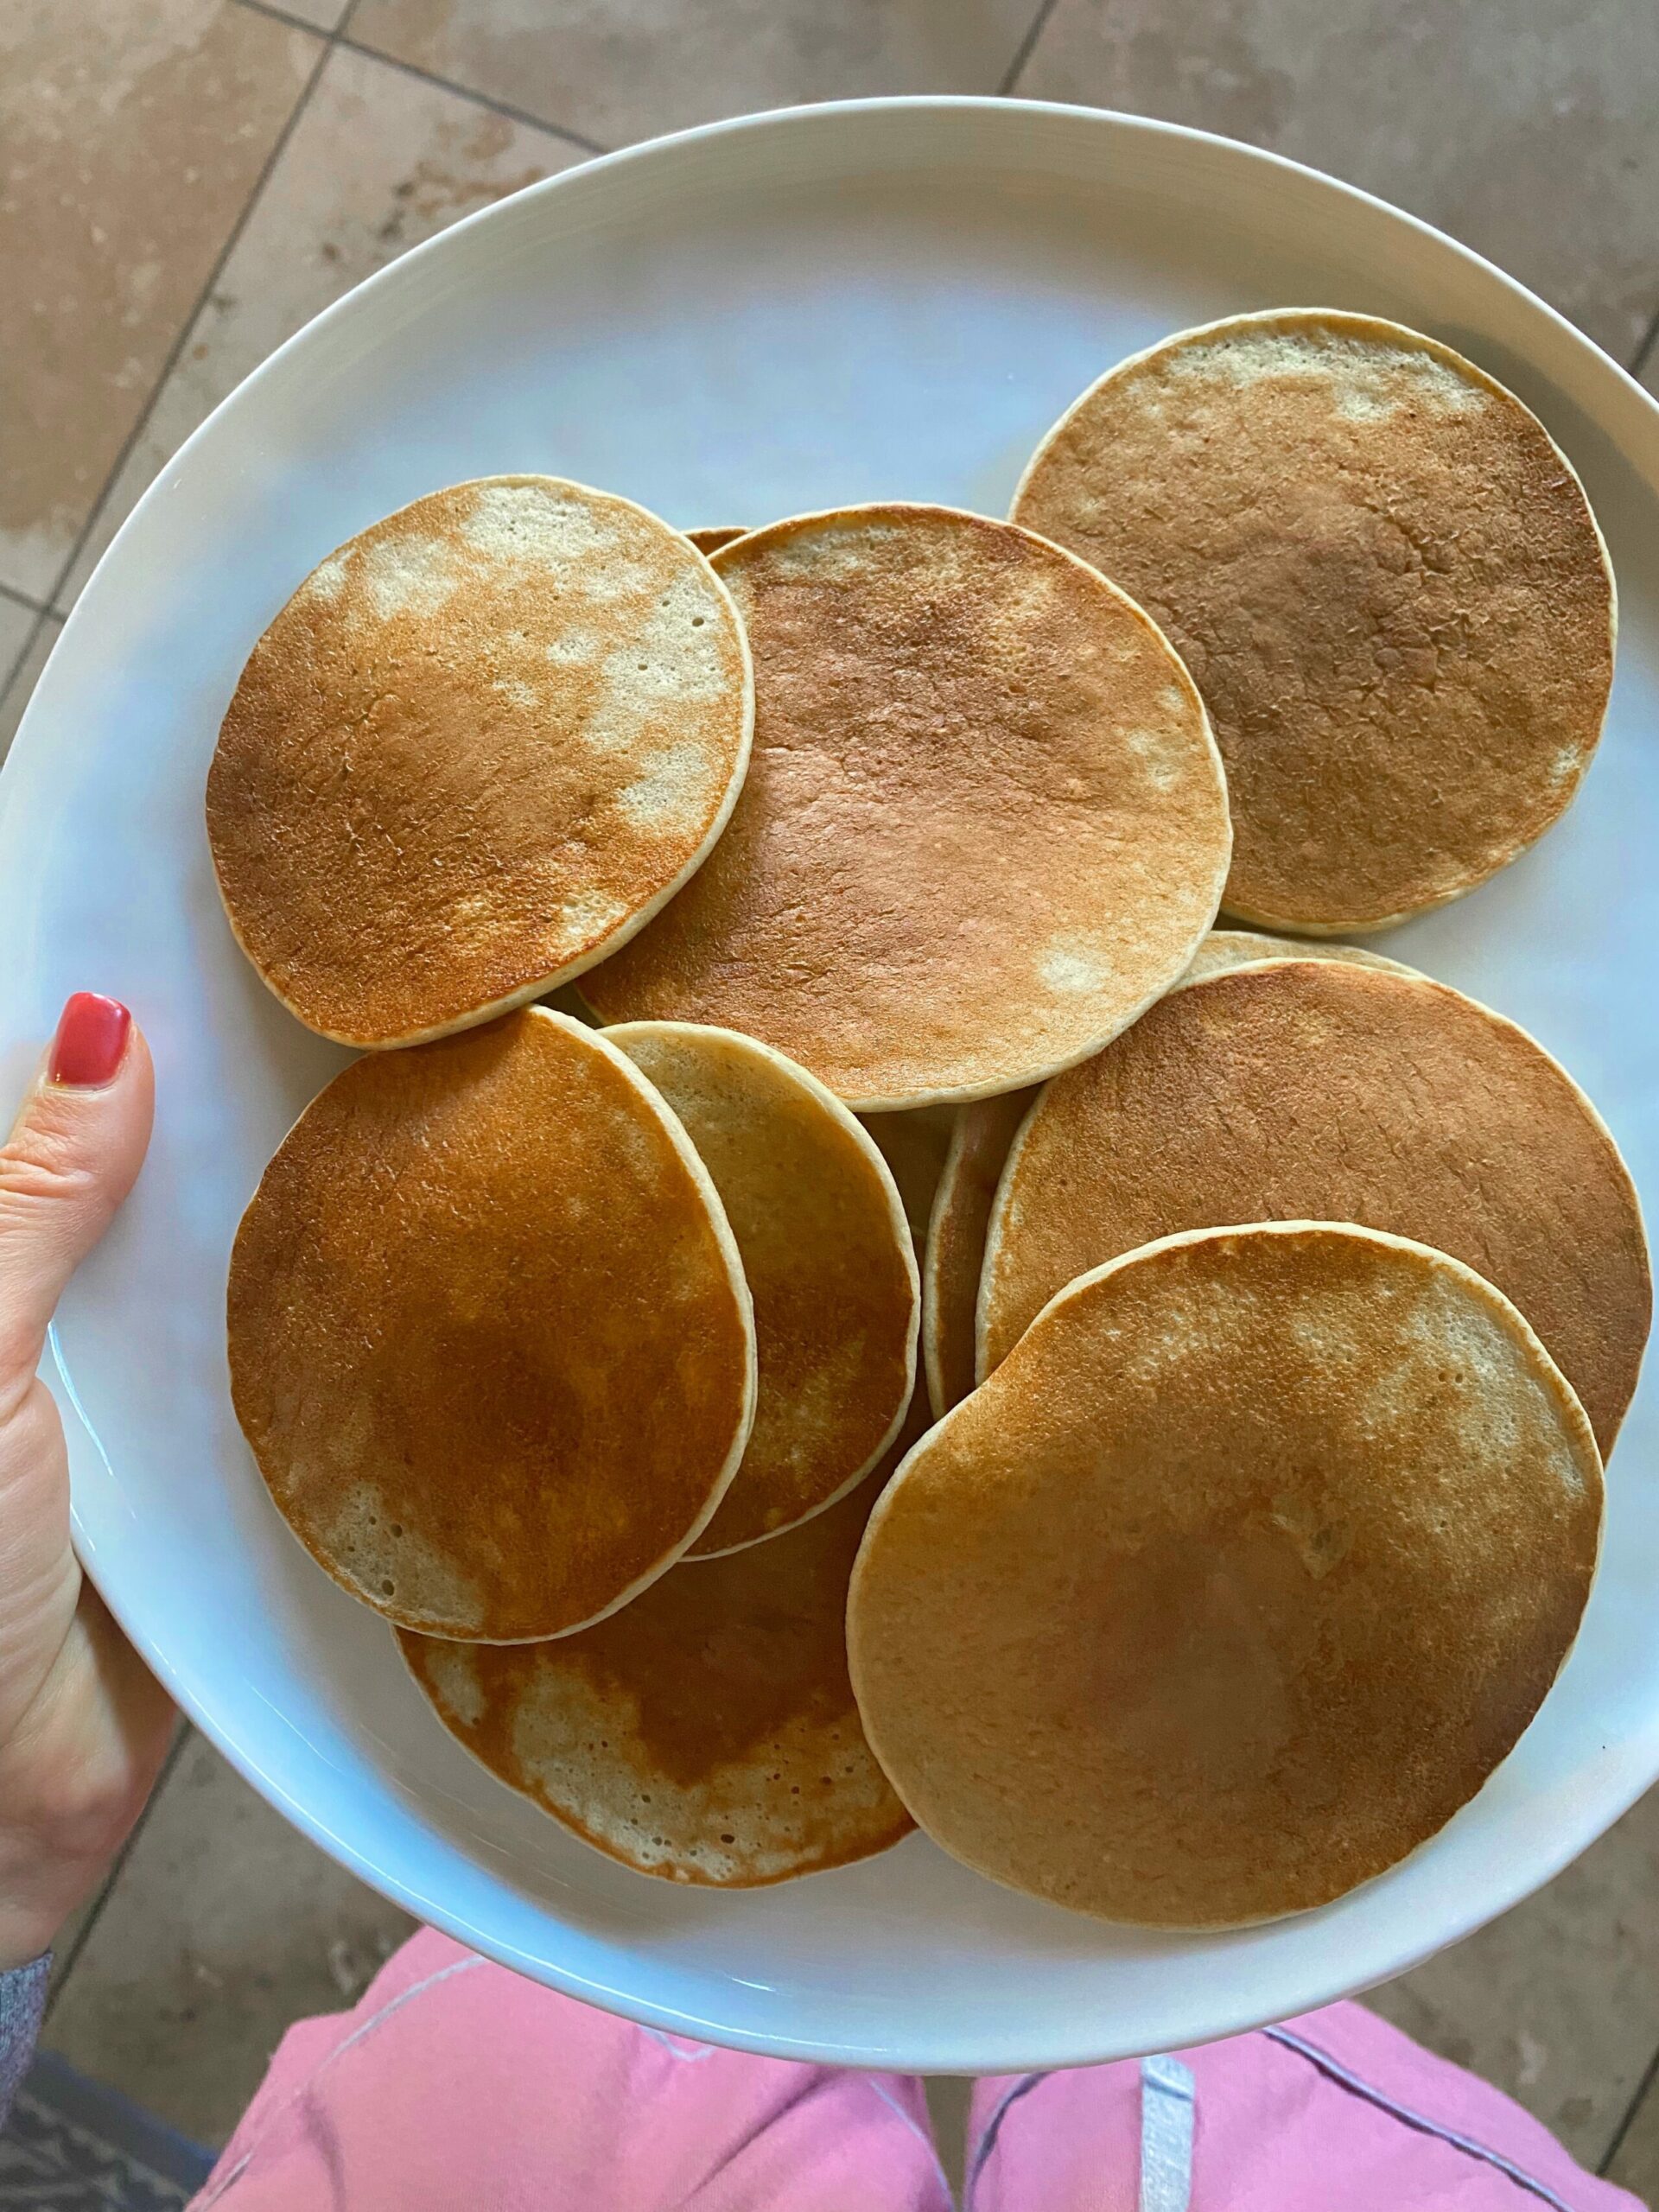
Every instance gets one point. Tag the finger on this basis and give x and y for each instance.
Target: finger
(72, 1155)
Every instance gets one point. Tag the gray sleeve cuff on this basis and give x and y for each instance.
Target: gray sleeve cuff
(22, 2007)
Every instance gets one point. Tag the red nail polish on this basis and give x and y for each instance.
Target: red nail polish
(92, 1037)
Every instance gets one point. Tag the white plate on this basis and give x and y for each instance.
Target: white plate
(889, 298)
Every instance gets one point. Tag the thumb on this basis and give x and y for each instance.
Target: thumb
(72, 1155)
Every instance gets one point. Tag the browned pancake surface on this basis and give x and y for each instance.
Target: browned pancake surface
(1316, 1091)
(1233, 1582)
(967, 1189)
(826, 1256)
(489, 1338)
(480, 745)
(1385, 579)
(707, 1732)
(983, 826)
(710, 541)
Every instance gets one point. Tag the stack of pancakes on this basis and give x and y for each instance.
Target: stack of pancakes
(853, 1304)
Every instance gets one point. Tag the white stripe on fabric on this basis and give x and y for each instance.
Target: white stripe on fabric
(685, 2049)
(923, 2135)
(216, 2188)
(1167, 2107)
(1334, 2069)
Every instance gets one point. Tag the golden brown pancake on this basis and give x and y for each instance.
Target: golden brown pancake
(1315, 1090)
(710, 541)
(956, 1242)
(1234, 1582)
(707, 1732)
(489, 1336)
(984, 825)
(1226, 949)
(1386, 582)
(826, 1253)
(967, 1187)
(480, 745)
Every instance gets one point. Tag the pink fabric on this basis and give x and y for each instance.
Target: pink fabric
(456, 2086)
(453, 2086)
(1370, 2129)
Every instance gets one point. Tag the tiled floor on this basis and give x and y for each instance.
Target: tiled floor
(186, 181)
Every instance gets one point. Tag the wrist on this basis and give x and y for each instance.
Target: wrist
(29, 1920)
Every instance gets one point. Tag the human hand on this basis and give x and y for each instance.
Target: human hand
(83, 1726)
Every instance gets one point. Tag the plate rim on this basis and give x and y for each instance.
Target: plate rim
(1615, 403)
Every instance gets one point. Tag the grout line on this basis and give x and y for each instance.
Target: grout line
(1643, 352)
(467, 93)
(324, 47)
(1648, 2072)
(282, 15)
(23, 599)
(9, 675)
(61, 1981)
(1023, 52)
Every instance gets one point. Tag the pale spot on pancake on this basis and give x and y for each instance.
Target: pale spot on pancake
(672, 789)
(1164, 765)
(1320, 1542)
(590, 914)
(327, 582)
(453, 1670)
(618, 580)
(515, 691)
(675, 655)
(516, 525)
(574, 649)
(828, 559)
(390, 1561)
(412, 575)
(1068, 965)
(1369, 379)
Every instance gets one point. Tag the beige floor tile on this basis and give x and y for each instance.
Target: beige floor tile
(131, 133)
(1557, 2003)
(327, 15)
(1634, 2164)
(25, 676)
(16, 628)
(1524, 127)
(378, 161)
(66, 1948)
(947, 2097)
(619, 70)
(224, 1925)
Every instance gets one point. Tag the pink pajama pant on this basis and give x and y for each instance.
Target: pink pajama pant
(454, 2085)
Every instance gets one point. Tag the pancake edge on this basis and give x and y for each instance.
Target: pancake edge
(849, 1123)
